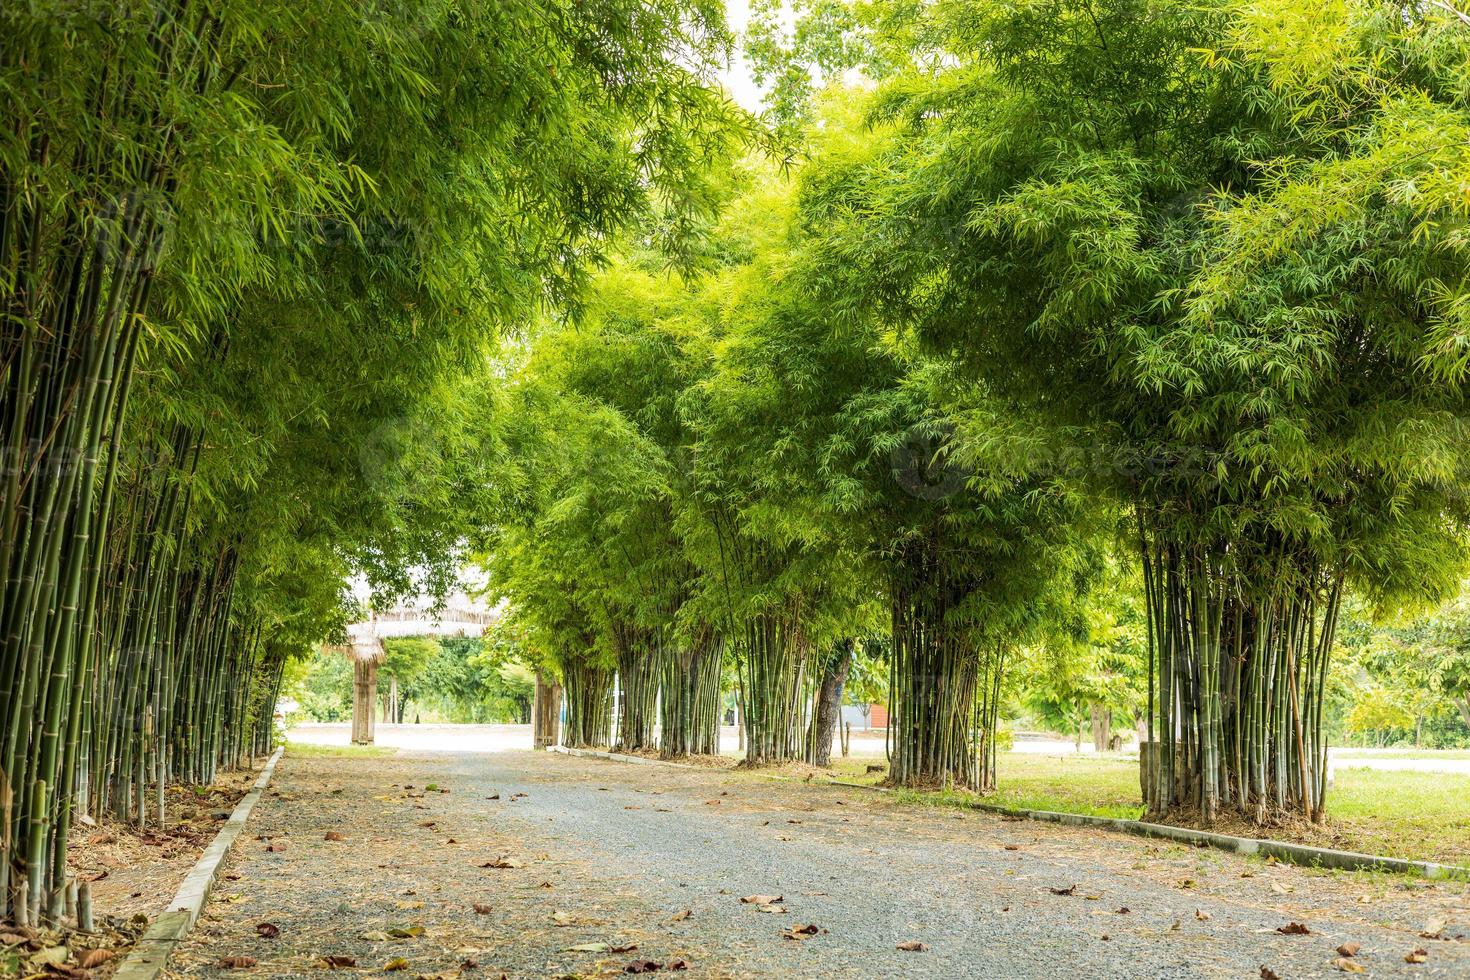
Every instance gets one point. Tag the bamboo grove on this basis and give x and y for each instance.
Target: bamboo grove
(882, 388)
(1071, 299)
(240, 244)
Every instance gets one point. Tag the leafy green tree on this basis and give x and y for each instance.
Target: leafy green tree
(1069, 201)
(219, 321)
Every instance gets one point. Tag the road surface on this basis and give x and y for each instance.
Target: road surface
(602, 855)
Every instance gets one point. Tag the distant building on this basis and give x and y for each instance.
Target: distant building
(862, 717)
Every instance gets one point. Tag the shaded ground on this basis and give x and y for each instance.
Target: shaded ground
(137, 870)
(611, 854)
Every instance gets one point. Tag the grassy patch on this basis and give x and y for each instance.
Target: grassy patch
(1416, 815)
(306, 750)
(1420, 815)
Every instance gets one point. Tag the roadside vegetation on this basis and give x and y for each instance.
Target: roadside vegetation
(1094, 365)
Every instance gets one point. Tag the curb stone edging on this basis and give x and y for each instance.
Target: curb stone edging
(1300, 854)
(149, 956)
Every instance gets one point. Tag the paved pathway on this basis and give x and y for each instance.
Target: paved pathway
(610, 855)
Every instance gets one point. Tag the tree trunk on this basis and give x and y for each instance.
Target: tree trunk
(364, 698)
(829, 702)
(1102, 728)
(395, 710)
(545, 712)
(1464, 705)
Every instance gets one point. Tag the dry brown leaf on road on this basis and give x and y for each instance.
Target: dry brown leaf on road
(762, 899)
(505, 862)
(267, 930)
(237, 962)
(913, 946)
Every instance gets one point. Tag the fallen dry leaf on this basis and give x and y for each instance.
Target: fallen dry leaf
(643, 966)
(505, 862)
(762, 899)
(802, 931)
(1294, 929)
(1420, 955)
(89, 959)
(267, 930)
(333, 835)
(1269, 974)
(1433, 929)
(623, 948)
(236, 962)
(337, 961)
(482, 909)
(1348, 949)
(913, 946)
(1069, 890)
(681, 915)
(1349, 966)
(677, 964)
(1202, 915)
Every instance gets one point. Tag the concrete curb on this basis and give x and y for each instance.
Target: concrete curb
(147, 959)
(1300, 854)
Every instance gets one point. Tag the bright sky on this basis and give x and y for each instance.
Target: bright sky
(737, 77)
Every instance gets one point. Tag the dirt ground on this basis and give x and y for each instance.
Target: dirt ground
(525, 864)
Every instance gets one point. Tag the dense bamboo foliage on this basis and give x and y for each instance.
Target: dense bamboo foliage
(297, 292)
(1251, 362)
(1033, 296)
(239, 243)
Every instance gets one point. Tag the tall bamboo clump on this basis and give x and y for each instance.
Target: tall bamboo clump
(85, 197)
(589, 689)
(772, 671)
(689, 710)
(944, 683)
(642, 653)
(1239, 647)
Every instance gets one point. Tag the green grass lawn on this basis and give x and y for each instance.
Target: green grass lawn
(1423, 816)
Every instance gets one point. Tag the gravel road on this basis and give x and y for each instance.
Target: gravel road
(611, 854)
